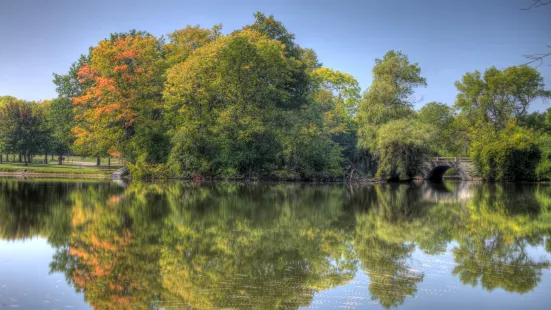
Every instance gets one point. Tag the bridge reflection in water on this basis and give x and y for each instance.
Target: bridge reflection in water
(450, 192)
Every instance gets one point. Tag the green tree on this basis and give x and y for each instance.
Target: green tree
(403, 146)
(275, 30)
(45, 129)
(449, 139)
(512, 155)
(62, 112)
(22, 128)
(388, 100)
(184, 41)
(492, 106)
(500, 95)
(222, 95)
(239, 108)
(543, 169)
(540, 122)
(61, 119)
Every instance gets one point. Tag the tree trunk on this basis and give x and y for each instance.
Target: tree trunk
(20, 158)
(60, 159)
(52, 156)
(7, 157)
(46, 157)
(24, 158)
(108, 161)
(98, 163)
(1, 157)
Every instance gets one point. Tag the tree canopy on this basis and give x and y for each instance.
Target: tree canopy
(254, 104)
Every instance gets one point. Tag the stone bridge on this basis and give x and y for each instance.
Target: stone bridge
(434, 169)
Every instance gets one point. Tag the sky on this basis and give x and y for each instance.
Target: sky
(447, 38)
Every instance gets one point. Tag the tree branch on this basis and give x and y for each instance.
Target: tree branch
(537, 57)
(537, 4)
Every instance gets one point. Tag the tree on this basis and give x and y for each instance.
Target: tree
(389, 99)
(500, 95)
(125, 78)
(8, 125)
(240, 108)
(62, 111)
(492, 107)
(297, 85)
(46, 141)
(537, 121)
(223, 94)
(22, 127)
(61, 120)
(70, 85)
(336, 91)
(448, 139)
(275, 30)
(403, 146)
(184, 41)
(543, 169)
(336, 95)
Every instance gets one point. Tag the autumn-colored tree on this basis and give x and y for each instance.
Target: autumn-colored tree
(125, 76)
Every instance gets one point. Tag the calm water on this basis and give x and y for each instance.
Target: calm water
(103, 245)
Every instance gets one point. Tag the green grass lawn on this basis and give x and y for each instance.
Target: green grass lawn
(77, 159)
(53, 167)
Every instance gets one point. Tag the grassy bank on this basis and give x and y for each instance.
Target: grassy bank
(53, 168)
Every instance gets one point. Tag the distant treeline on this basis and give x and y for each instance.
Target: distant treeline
(253, 104)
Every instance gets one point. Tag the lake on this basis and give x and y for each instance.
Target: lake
(83, 244)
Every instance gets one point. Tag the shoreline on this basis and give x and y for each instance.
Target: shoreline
(55, 175)
(109, 177)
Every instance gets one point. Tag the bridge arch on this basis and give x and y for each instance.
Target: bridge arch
(436, 168)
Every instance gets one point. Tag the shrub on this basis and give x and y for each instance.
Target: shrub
(511, 155)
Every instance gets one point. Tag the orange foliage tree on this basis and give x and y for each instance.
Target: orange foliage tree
(125, 74)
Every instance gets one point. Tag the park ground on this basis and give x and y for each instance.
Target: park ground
(70, 166)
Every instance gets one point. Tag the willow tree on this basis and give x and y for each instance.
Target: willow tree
(386, 115)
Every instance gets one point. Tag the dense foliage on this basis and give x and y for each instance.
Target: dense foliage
(503, 138)
(388, 128)
(24, 128)
(254, 104)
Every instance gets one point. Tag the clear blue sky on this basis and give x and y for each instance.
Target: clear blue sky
(446, 38)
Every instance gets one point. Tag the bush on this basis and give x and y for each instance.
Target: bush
(543, 169)
(144, 170)
(511, 156)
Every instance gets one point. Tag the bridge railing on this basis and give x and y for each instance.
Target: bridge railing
(452, 158)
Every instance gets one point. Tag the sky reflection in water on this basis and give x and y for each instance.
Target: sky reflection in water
(87, 244)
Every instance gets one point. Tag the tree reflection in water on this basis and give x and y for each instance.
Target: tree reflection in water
(266, 246)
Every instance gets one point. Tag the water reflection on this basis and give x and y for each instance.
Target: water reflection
(265, 246)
